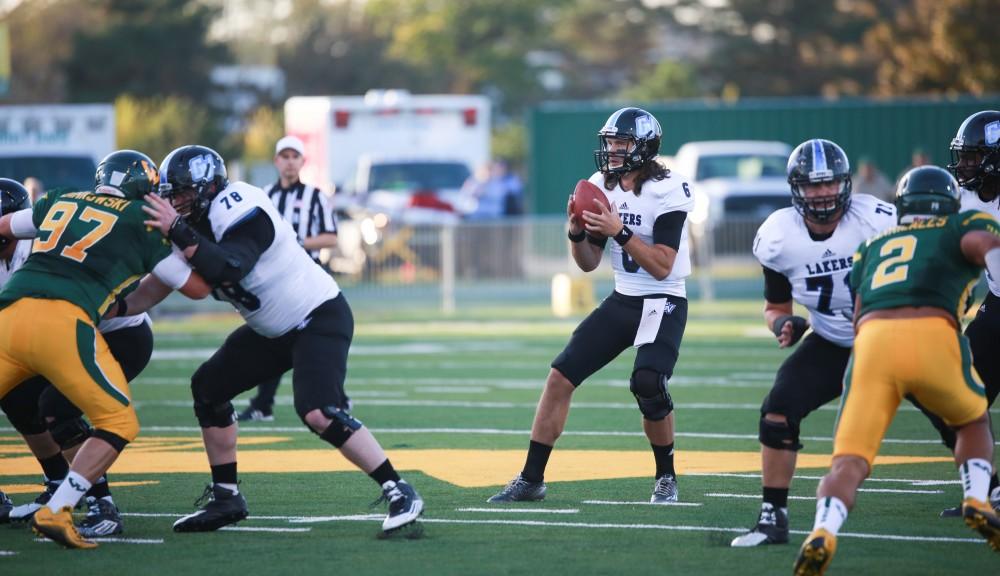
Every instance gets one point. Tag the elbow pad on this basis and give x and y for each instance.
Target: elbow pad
(799, 325)
(216, 266)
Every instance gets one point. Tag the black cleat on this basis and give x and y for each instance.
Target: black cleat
(405, 505)
(252, 414)
(103, 519)
(520, 490)
(5, 507)
(771, 528)
(221, 509)
(664, 490)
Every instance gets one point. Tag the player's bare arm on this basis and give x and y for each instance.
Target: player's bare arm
(587, 255)
(977, 246)
(656, 259)
(320, 241)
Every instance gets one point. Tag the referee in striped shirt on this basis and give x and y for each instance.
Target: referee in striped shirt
(306, 209)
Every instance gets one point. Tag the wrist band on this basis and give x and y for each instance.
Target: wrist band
(181, 234)
(624, 236)
(576, 238)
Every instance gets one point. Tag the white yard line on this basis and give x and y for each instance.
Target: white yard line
(262, 529)
(116, 540)
(499, 510)
(753, 496)
(639, 503)
(8, 553)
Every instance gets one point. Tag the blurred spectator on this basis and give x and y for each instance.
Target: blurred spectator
(35, 188)
(870, 180)
(918, 158)
(497, 191)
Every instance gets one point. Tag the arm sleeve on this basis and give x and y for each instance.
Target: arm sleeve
(777, 288)
(173, 270)
(668, 228)
(238, 251)
(22, 225)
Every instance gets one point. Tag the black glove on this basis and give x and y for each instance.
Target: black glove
(799, 325)
(182, 234)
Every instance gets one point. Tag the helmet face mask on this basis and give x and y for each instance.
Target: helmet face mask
(126, 174)
(190, 178)
(13, 197)
(925, 192)
(629, 139)
(975, 154)
(819, 175)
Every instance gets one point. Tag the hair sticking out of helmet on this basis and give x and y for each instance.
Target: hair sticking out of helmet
(629, 139)
(819, 175)
(925, 192)
(190, 178)
(975, 154)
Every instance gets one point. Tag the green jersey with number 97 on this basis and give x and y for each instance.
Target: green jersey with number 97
(89, 248)
(920, 264)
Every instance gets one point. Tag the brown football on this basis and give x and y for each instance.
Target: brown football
(583, 199)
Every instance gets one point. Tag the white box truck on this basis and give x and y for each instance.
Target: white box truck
(59, 144)
(392, 152)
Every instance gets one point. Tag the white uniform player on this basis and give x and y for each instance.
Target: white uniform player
(647, 310)
(285, 285)
(296, 319)
(639, 213)
(818, 270)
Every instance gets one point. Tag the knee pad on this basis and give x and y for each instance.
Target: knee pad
(341, 428)
(21, 407)
(214, 415)
(70, 433)
(54, 406)
(779, 435)
(650, 391)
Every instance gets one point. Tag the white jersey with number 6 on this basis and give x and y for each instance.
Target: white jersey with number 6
(818, 269)
(285, 285)
(971, 201)
(639, 213)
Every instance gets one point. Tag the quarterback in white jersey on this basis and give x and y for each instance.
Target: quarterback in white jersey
(806, 252)
(296, 319)
(975, 163)
(647, 310)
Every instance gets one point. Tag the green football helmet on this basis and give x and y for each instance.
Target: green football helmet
(927, 191)
(127, 174)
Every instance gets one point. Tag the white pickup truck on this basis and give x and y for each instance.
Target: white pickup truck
(743, 179)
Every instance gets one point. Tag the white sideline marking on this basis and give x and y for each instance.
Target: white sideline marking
(262, 529)
(753, 496)
(8, 553)
(112, 540)
(521, 510)
(913, 481)
(896, 491)
(508, 432)
(680, 528)
(639, 503)
(453, 390)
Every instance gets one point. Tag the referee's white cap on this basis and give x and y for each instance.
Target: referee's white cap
(290, 143)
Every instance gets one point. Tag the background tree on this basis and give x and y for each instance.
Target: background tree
(158, 125)
(936, 46)
(146, 48)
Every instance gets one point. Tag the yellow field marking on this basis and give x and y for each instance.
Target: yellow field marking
(465, 468)
(36, 488)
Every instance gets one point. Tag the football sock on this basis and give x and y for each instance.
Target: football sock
(100, 489)
(664, 456)
(975, 474)
(54, 467)
(830, 514)
(384, 473)
(994, 482)
(776, 497)
(538, 458)
(224, 476)
(69, 492)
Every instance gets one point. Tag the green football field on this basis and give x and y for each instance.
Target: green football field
(452, 402)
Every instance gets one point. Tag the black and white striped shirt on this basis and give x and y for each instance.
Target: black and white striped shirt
(306, 208)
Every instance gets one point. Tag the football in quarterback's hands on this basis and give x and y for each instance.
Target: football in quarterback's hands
(583, 199)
